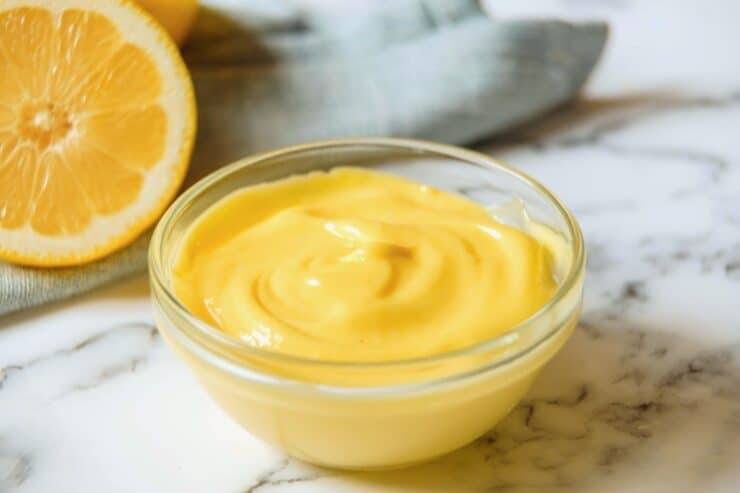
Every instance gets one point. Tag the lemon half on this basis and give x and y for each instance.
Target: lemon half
(97, 124)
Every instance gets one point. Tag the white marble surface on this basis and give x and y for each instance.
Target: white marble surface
(645, 397)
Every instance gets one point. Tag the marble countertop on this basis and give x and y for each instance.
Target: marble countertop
(644, 398)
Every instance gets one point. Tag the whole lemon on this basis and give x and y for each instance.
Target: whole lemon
(177, 16)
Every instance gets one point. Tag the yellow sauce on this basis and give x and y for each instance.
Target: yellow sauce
(358, 266)
(353, 265)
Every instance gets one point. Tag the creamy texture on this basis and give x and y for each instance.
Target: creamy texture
(354, 265)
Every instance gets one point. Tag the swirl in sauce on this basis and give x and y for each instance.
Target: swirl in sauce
(353, 265)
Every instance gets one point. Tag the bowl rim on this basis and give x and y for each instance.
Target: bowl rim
(220, 338)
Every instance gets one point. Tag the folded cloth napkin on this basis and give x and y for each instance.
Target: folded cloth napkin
(272, 73)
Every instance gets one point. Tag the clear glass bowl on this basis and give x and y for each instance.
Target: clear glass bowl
(400, 412)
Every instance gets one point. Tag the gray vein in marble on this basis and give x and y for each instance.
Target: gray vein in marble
(270, 478)
(664, 259)
(627, 423)
(732, 269)
(717, 164)
(538, 140)
(106, 374)
(15, 468)
(628, 111)
(644, 110)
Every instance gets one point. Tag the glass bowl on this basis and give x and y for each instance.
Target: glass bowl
(385, 414)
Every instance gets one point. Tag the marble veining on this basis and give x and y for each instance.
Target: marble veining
(644, 398)
(281, 475)
(135, 337)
